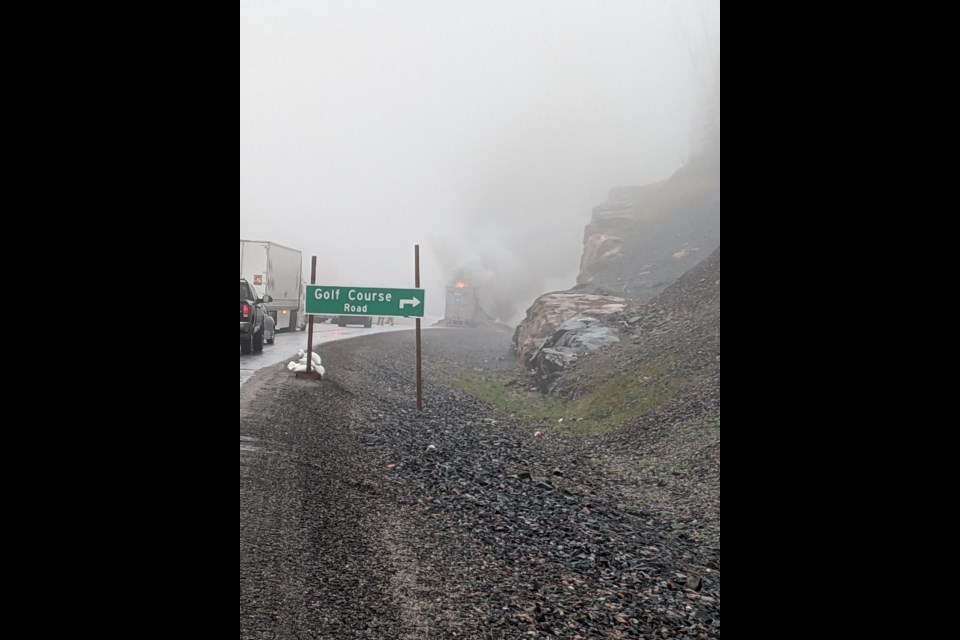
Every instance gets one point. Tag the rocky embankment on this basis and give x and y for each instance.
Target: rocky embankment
(360, 518)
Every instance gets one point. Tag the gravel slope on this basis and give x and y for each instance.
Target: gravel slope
(668, 457)
(360, 518)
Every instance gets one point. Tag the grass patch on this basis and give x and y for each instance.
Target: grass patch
(605, 404)
(503, 391)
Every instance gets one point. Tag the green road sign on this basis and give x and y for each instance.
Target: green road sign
(360, 301)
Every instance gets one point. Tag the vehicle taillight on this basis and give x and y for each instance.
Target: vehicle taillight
(246, 310)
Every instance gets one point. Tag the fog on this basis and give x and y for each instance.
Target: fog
(485, 131)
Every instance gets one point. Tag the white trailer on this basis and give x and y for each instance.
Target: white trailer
(276, 271)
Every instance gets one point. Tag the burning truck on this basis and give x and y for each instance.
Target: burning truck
(463, 307)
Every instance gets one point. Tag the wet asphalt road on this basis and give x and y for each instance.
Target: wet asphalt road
(288, 344)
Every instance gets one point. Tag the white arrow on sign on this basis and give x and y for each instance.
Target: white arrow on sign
(413, 303)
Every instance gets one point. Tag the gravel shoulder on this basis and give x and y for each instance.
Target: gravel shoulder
(361, 518)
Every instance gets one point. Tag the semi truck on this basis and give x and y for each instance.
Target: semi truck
(275, 271)
(463, 307)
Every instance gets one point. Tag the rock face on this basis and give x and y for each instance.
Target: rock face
(599, 251)
(644, 238)
(549, 312)
(574, 338)
(637, 244)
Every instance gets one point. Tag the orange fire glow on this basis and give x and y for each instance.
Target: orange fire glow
(461, 285)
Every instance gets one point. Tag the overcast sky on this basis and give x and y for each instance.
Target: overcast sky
(484, 130)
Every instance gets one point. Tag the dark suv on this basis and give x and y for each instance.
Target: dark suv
(252, 314)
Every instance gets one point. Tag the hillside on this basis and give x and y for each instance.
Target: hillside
(631, 355)
(644, 238)
(661, 384)
(636, 245)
